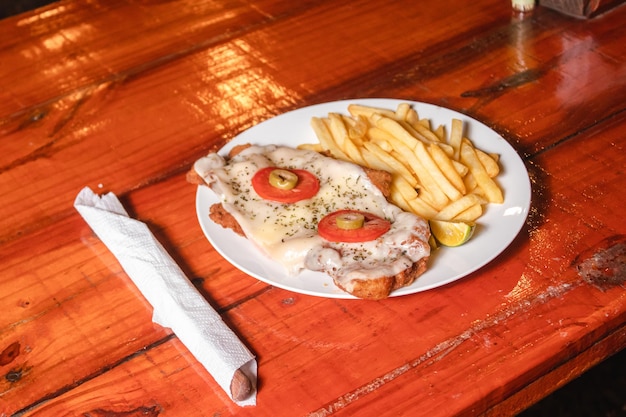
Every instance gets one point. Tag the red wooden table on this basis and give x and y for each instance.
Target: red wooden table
(125, 95)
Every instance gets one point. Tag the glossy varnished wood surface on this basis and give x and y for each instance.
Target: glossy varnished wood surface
(123, 96)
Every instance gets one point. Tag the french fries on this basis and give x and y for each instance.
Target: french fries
(435, 175)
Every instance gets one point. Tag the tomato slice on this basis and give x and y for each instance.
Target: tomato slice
(307, 186)
(373, 227)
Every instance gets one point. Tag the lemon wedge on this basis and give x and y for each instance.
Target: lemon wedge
(450, 233)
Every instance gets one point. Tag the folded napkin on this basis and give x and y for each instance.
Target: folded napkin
(176, 302)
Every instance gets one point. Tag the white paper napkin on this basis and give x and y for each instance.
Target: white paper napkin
(177, 303)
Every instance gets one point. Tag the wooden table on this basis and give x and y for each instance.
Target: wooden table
(124, 95)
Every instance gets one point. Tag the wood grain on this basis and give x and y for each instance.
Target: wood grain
(124, 95)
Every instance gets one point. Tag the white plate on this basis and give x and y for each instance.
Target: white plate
(495, 231)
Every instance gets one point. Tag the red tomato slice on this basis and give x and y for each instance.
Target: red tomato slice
(373, 227)
(307, 186)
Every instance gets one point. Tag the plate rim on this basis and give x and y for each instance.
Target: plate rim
(329, 289)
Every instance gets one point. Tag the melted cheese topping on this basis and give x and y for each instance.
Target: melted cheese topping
(288, 234)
